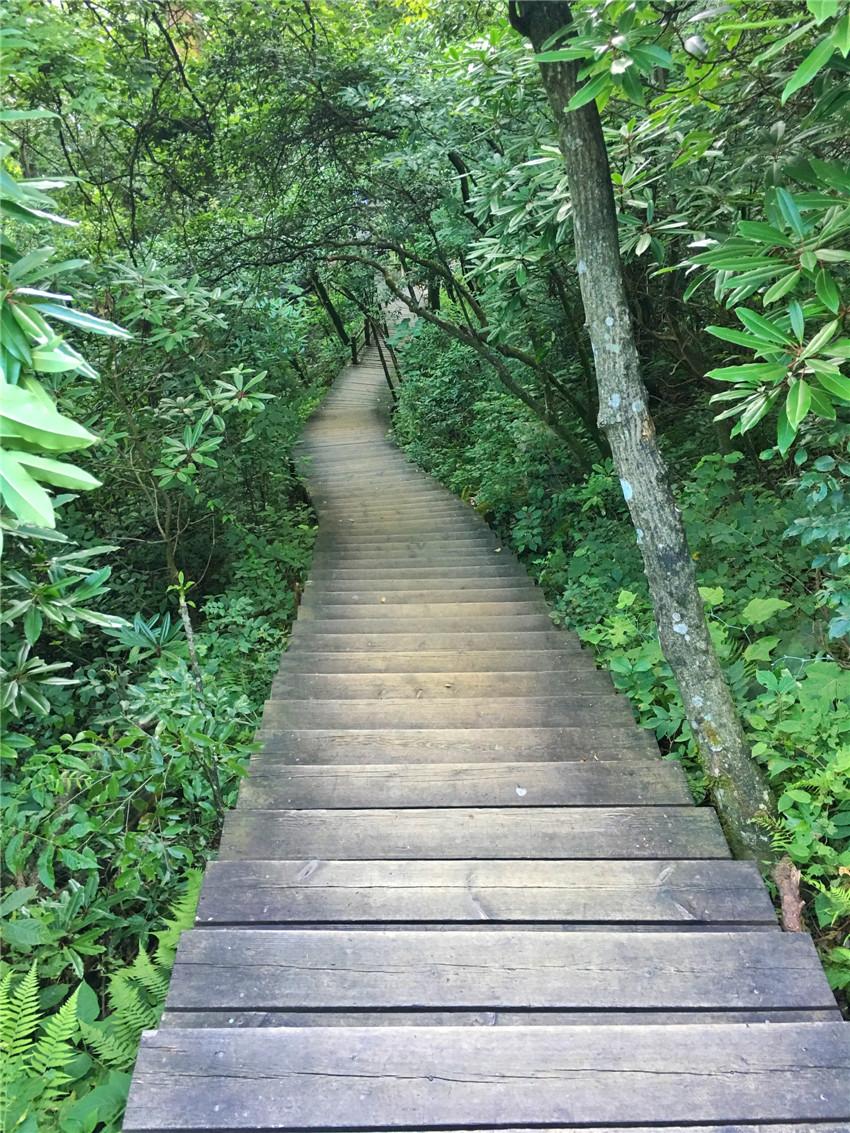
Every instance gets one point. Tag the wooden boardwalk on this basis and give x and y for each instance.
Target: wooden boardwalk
(460, 890)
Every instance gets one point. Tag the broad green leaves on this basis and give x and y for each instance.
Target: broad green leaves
(618, 49)
(801, 348)
(31, 427)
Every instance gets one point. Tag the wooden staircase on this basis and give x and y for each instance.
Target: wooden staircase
(460, 890)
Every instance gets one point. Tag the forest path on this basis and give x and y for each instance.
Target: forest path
(461, 890)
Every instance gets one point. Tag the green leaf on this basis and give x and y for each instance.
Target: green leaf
(649, 55)
(797, 320)
(759, 610)
(781, 287)
(750, 372)
(30, 414)
(827, 291)
(797, 402)
(790, 212)
(24, 115)
(837, 385)
(784, 433)
(82, 320)
(590, 91)
(761, 327)
(33, 624)
(23, 495)
(841, 35)
(815, 61)
(57, 472)
(822, 9)
(729, 334)
(711, 595)
(563, 55)
(761, 650)
(816, 344)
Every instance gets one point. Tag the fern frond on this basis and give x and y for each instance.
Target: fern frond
(21, 1014)
(52, 1053)
(152, 978)
(115, 1045)
(130, 1008)
(182, 918)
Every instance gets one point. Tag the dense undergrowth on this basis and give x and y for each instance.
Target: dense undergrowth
(745, 515)
(200, 202)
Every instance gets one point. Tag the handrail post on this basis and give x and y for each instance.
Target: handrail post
(393, 394)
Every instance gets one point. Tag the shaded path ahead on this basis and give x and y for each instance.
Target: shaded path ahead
(460, 889)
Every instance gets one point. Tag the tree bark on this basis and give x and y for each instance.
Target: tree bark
(738, 786)
(332, 313)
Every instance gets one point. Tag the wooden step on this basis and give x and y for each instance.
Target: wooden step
(449, 538)
(606, 833)
(456, 745)
(473, 589)
(436, 612)
(429, 661)
(305, 636)
(521, 971)
(271, 786)
(635, 894)
(489, 1077)
(446, 574)
(471, 712)
(303, 685)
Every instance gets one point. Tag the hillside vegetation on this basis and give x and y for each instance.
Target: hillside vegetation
(203, 203)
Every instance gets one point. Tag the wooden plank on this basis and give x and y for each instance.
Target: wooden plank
(292, 969)
(469, 712)
(295, 685)
(456, 745)
(474, 1077)
(271, 786)
(325, 1018)
(446, 573)
(571, 659)
(434, 626)
(533, 832)
(436, 640)
(430, 533)
(385, 607)
(430, 590)
(490, 892)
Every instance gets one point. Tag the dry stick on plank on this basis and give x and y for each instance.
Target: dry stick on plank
(787, 878)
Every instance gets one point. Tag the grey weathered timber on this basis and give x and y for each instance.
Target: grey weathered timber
(582, 681)
(255, 969)
(271, 787)
(322, 1077)
(461, 890)
(448, 745)
(603, 833)
(466, 712)
(677, 894)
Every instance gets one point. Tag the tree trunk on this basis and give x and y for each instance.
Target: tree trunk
(738, 787)
(332, 313)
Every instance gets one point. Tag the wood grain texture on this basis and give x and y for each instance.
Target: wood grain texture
(291, 684)
(646, 893)
(465, 712)
(257, 969)
(303, 660)
(463, 785)
(474, 1077)
(460, 890)
(591, 743)
(486, 833)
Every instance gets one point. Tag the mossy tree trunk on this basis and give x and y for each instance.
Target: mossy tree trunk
(738, 786)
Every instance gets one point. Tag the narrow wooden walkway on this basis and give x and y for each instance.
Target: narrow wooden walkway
(460, 890)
